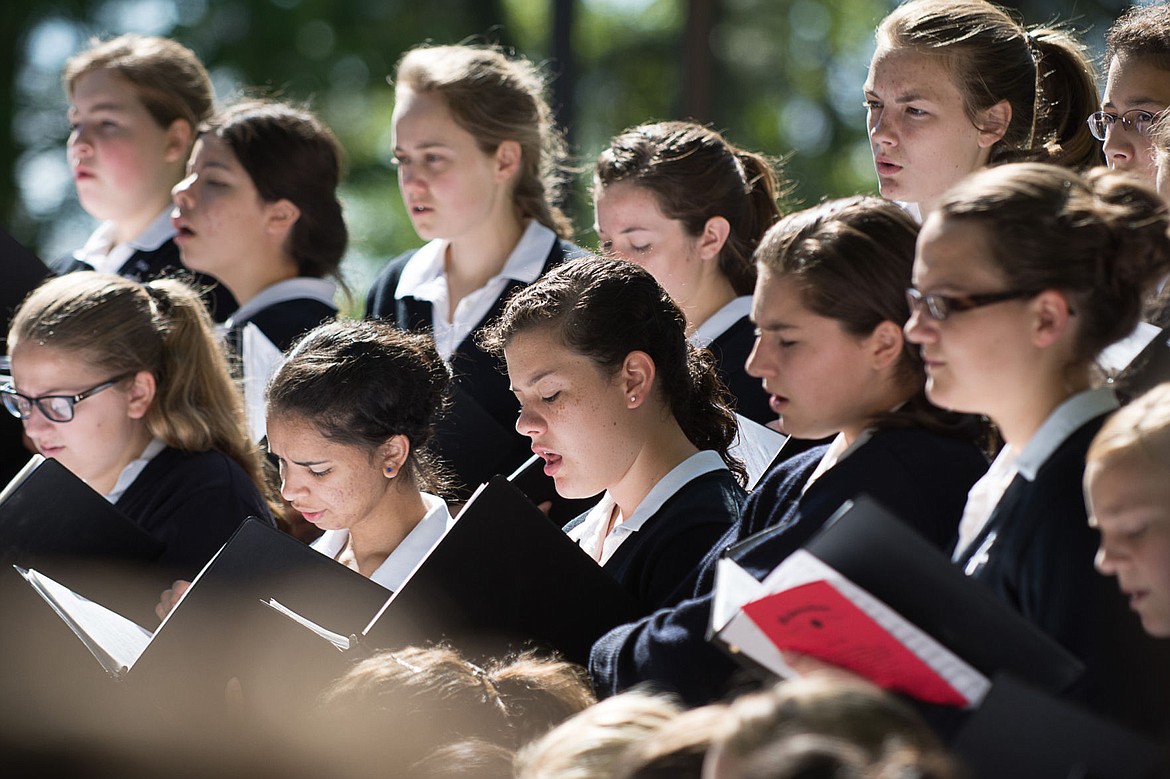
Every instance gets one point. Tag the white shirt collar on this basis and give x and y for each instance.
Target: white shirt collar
(524, 264)
(134, 468)
(588, 534)
(102, 254)
(837, 452)
(299, 288)
(1068, 417)
(719, 322)
(393, 573)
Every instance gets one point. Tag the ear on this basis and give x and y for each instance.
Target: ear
(636, 378)
(508, 158)
(1051, 318)
(713, 237)
(993, 124)
(392, 455)
(281, 216)
(180, 138)
(884, 345)
(141, 394)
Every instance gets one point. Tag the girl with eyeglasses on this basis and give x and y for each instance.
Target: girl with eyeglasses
(955, 85)
(1023, 275)
(646, 210)
(829, 305)
(126, 385)
(1137, 90)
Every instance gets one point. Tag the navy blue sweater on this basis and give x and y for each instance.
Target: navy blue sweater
(922, 477)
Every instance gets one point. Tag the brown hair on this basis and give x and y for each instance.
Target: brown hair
(1142, 31)
(290, 154)
(604, 309)
(1100, 238)
(361, 383)
(170, 80)
(498, 98)
(161, 327)
(695, 174)
(1045, 74)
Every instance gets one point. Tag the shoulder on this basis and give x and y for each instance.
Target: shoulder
(714, 497)
(285, 321)
(380, 296)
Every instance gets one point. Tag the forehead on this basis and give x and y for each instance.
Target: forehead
(898, 72)
(424, 117)
(954, 253)
(625, 204)
(104, 88)
(1138, 82)
(210, 149)
(537, 352)
(778, 298)
(41, 369)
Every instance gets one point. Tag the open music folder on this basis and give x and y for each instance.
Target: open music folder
(868, 594)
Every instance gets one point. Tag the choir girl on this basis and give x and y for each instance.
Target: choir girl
(1128, 496)
(1137, 89)
(259, 210)
(1023, 275)
(135, 105)
(955, 85)
(127, 386)
(688, 206)
(479, 166)
(829, 306)
(351, 417)
(615, 399)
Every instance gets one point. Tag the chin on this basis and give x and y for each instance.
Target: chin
(1156, 625)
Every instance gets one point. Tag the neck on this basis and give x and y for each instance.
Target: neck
(714, 294)
(474, 259)
(665, 445)
(1019, 421)
(132, 226)
(128, 451)
(380, 533)
(248, 280)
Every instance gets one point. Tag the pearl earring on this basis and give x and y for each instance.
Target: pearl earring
(633, 398)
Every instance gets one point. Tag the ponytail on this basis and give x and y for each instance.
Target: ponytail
(1066, 94)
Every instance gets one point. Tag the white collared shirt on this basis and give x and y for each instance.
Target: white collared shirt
(718, 323)
(134, 468)
(425, 278)
(393, 573)
(590, 534)
(986, 493)
(103, 255)
(298, 288)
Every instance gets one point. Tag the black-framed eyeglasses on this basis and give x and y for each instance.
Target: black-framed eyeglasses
(1134, 120)
(942, 306)
(56, 408)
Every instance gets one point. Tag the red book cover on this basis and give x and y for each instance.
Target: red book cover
(817, 620)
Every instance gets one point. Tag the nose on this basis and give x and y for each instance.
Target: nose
(529, 423)
(78, 144)
(1105, 561)
(920, 327)
(758, 365)
(182, 193)
(36, 421)
(1119, 150)
(408, 177)
(881, 130)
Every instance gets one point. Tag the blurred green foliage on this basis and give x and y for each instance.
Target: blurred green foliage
(786, 78)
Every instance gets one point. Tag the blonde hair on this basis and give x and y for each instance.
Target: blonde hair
(160, 327)
(498, 98)
(1141, 428)
(591, 744)
(170, 80)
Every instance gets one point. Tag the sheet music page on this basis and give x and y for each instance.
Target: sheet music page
(115, 641)
(756, 446)
(341, 642)
(19, 478)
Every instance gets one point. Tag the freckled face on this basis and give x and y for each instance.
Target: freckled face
(335, 486)
(922, 140)
(631, 225)
(1129, 502)
(573, 411)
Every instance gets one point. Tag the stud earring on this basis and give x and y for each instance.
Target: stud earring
(633, 398)
(389, 470)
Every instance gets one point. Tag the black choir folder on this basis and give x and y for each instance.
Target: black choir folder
(46, 512)
(502, 575)
(868, 594)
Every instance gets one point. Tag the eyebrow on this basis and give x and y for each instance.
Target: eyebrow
(1138, 101)
(910, 97)
(534, 379)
